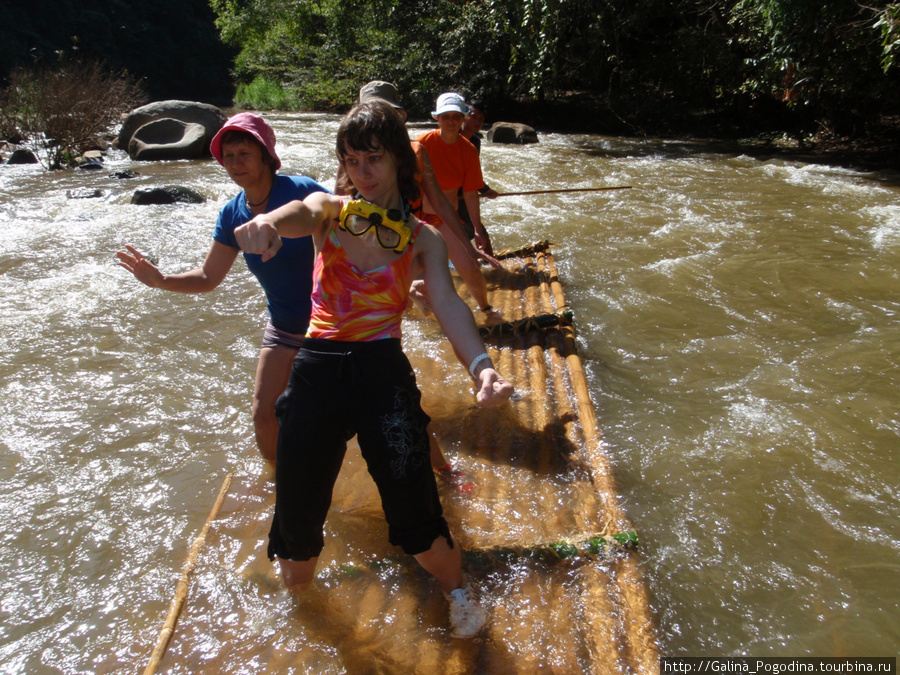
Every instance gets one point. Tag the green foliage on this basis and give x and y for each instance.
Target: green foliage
(824, 60)
(265, 94)
(888, 23)
(800, 63)
(799, 60)
(327, 94)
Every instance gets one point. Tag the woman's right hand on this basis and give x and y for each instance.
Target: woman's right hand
(143, 270)
(493, 390)
(258, 236)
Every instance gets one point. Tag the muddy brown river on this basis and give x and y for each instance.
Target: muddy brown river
(738, 319)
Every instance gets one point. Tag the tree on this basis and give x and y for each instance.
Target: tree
(59, 111)
(828, 61)
(797, 64)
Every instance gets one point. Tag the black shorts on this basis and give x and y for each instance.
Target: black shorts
(338, 390)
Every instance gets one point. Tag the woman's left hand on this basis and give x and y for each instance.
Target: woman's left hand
(492, 389)
(484, 248)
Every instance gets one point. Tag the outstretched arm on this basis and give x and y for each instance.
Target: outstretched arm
(444, 209)
(263, 234)
(200, 280)
(473, 205)
(457, 321)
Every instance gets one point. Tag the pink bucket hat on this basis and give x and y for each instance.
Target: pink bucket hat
(254, 125)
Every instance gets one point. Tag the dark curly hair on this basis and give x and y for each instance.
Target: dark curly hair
(368, 127)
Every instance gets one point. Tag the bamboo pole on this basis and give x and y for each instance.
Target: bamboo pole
(638, 621)
(552, 192)
(178, 601)
(586, 515)
(497, 492)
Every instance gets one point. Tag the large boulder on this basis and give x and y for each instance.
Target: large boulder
(168, 138)
(208, 116)
(512, 132)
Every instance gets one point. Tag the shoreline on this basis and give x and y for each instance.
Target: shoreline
(752, 132)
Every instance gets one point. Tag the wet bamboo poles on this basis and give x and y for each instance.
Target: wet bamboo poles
(624, 589)
(641, 643)
(175, 609)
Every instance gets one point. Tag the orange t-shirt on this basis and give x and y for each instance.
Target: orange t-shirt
(456, 165)
(416, 206)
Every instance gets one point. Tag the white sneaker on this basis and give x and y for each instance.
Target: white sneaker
(467, 616)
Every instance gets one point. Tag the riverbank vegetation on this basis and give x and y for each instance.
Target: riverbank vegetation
(795, 65)
(62, 111)
(801, 70)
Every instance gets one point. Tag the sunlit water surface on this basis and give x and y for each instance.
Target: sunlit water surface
(737, 316)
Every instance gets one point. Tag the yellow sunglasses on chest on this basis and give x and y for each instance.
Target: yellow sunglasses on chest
(358, 216)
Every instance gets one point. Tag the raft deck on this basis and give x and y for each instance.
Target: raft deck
(545, 541)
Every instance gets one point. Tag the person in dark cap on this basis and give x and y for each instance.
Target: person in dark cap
(378, 90)
(471, 128)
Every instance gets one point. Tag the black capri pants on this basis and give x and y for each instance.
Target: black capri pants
(338, 390)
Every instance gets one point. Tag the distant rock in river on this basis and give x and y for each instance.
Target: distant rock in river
(169, 194)
(511, 132)
(22, 157)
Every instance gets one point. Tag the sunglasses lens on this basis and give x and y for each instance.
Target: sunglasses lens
(387, 237)
(356, 225)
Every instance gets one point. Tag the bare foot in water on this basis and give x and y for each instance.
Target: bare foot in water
(492, 315)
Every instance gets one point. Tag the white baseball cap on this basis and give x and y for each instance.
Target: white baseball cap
(450, 102)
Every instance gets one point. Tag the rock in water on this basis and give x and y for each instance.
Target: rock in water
(169, 194)
(510, 132)
(208, 116)
(168, 138)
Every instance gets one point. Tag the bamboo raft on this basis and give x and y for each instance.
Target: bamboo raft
(546, 544)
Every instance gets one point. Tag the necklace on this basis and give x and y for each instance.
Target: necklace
(265, 199)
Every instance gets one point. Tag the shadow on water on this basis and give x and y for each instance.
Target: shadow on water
(547, 452)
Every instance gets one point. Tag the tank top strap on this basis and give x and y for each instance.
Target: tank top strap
(415, 233)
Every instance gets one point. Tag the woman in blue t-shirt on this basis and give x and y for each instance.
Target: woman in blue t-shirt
(245, 146)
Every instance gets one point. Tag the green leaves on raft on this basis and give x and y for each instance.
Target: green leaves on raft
(482, 559)
(595, 545)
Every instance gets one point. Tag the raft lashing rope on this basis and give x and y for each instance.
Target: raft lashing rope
(560, 318)
(597, 548)
(526, 251)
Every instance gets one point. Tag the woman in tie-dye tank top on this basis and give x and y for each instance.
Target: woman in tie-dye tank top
(351, 376)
